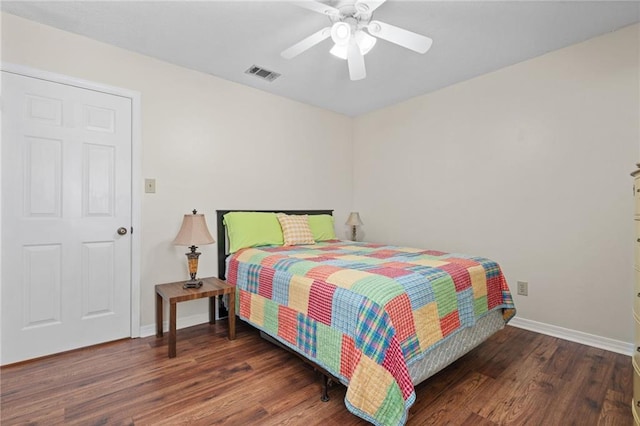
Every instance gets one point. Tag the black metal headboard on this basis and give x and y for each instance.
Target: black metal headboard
(222, 235)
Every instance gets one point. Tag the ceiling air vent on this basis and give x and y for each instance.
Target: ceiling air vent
(262, 73)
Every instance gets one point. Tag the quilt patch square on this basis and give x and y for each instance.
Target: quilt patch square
(389, 272)
(299, 289)
(232, 270)
(321, 272)
(349, 356)
(480, 305)
(426, 261)
(410, 347)
(459, 275)
(345, 310)
(245, 304)
(288, 324)
(253, 277)
(385, 254)
(306, 335)
(329, 346)
(321, 301)
(436, 253)
(427, 325)
(377, 387)
(265, 282)
(399, 309)
(466, 308)
(445, 292)
(397, 265)
(462, 261)
(494, 291)
(478, 281)
(271, 317)
(257, 309)
(320, 258)
(449, 323)
(280, 288)
(372, 325)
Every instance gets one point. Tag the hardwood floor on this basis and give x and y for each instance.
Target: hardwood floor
(517, 377)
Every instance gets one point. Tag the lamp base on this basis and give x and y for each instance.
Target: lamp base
(192, 284)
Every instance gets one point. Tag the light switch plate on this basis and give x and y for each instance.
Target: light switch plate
(150, 186)
(523, 288)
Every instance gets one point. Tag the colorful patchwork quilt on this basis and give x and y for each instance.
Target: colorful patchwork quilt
(365, 311)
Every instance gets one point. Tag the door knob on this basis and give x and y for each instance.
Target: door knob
(122, 230)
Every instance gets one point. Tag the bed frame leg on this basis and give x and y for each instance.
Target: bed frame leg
(325, 388)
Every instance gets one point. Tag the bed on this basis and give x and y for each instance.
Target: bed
(380, 319)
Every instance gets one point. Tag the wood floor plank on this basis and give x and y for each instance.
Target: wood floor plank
(475, 420)
(516, 377)
(596, 368)
(563, 361)
(448, 406)
(622, 375)
(501, 399)
(615, 409)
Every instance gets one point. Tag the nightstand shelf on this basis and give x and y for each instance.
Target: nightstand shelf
(175, 293)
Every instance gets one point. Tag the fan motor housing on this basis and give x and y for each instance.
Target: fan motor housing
(349, 12)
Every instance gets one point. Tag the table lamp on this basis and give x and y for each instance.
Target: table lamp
(193, 231)
(353, 221)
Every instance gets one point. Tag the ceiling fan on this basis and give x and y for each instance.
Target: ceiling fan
(349, 21)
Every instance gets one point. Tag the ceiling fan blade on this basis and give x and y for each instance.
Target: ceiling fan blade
(368, 6)
(355, 60)
(306, 43)
(318, 7)
(410, 40)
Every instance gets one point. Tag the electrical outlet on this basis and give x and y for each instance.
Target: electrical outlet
(523, 288)
(150, 186)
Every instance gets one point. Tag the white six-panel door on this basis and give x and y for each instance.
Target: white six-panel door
(66, 190)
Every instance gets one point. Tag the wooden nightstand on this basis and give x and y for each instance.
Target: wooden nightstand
(174, 293)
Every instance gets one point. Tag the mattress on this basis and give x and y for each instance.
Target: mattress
(452, 349)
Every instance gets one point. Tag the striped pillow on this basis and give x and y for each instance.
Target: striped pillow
(295, 229)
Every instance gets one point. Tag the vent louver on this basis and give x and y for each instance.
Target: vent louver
(262, 73)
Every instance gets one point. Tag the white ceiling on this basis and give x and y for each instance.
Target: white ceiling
(224, 38)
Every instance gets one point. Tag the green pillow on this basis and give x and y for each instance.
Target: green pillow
(251, 229)
(322, 227)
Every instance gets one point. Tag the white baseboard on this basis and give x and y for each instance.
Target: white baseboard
(181, 322)
(618, 346)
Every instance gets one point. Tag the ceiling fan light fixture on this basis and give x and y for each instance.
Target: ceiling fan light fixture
(339, 51)
(341, 33)
(365, 42)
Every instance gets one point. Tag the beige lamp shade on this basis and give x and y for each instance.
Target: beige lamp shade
(354, 219)
(194, 231)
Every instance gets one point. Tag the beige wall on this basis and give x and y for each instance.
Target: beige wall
(210, 144)
(529, 166)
